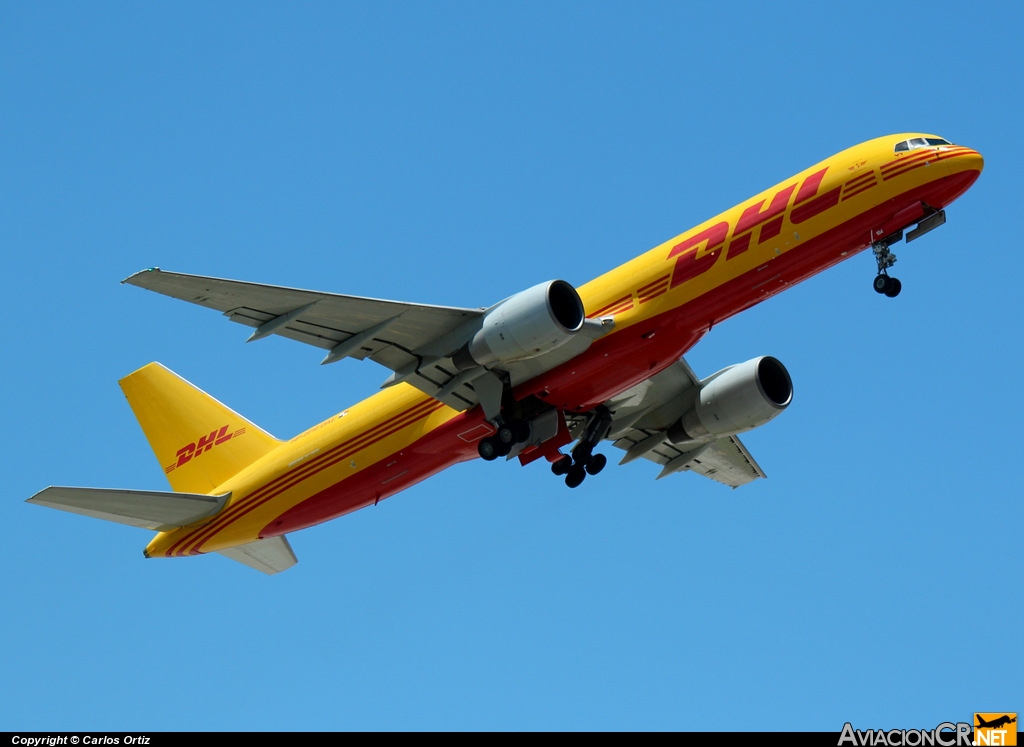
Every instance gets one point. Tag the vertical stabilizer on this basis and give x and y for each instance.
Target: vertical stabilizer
(199, 442)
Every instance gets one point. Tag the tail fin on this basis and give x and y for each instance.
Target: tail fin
(199, 442)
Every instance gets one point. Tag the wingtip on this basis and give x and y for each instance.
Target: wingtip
(134, 275)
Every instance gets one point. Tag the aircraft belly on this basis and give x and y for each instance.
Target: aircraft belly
(452, 442)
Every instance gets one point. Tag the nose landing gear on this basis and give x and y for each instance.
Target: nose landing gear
(885, 259)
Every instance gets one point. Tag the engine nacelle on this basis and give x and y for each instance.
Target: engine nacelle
(530, 323)
(735, 400)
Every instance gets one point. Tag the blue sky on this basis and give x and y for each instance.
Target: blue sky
(455, 153)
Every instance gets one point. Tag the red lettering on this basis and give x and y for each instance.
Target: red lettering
(770, 230)
(815, 206)
(206, 443)
(819, 204)
(810, 186)
(184, 454)
(753, 215)
(690, 264)
(738, 245)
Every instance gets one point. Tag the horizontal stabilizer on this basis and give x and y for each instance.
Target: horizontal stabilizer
(271, 555)
(158, 510)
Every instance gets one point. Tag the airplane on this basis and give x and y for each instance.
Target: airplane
(546, 368)
(996, 722)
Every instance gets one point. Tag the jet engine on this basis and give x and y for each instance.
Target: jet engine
(530, 323)
(735, 400)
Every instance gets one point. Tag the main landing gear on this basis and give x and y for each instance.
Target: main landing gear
(505, 438)
(891, 287)
(583, 461)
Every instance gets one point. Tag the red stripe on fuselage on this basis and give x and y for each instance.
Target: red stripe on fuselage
(926, 158)
(859, 184)
(291, 479)
(663, 280)
(901, 163)
(434, 452)
(856, 191)
(626, 302)
(866, 177)
(189, 544)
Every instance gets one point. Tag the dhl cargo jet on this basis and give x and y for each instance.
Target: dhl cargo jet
(524, 378)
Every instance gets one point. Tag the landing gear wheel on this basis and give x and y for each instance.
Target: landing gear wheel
(513, 432)
(488, 449)
(886, 259)
(575, 476)
(505, 435)
(596, 464)
(562, 466)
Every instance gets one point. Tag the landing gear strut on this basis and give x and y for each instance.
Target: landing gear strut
(891, 287)
(583, 460)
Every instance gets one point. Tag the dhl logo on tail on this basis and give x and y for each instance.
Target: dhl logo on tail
(203, 444)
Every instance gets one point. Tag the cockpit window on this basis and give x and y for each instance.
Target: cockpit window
(920, 142)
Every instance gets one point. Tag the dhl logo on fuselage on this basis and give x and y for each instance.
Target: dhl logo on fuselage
(695, 254)
(691, 261)
(203, 444)
(763, 220)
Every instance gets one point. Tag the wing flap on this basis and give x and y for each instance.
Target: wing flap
(725, 460)
(158, 510)
(271, 555)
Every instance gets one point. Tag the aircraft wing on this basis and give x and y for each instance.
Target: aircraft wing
(643, 414)
(407, 338)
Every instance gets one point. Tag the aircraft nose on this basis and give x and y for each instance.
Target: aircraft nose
(963, 167)
(972, 160)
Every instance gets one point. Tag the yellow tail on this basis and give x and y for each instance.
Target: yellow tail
(199, 442)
